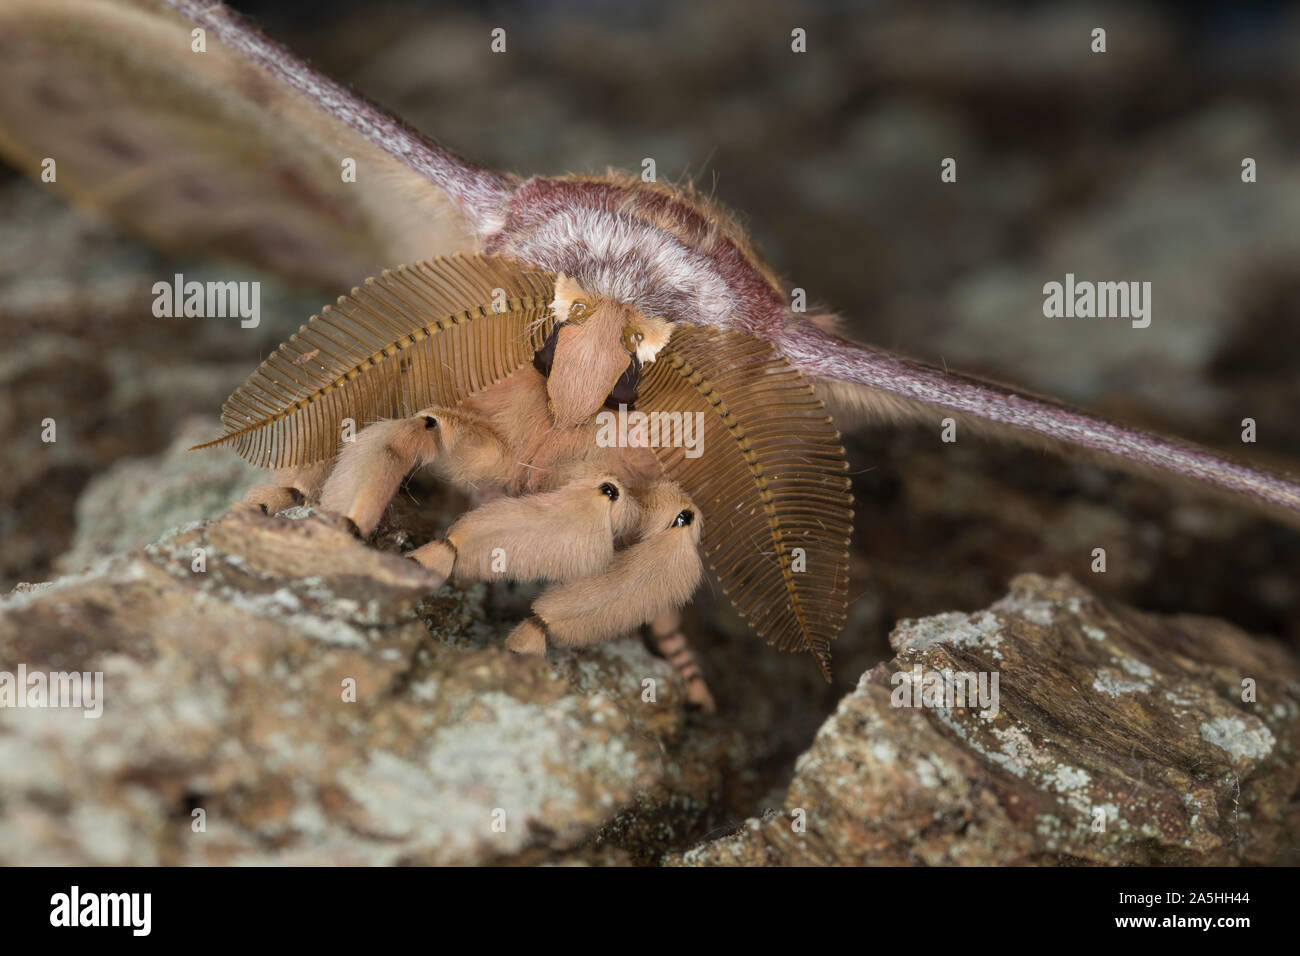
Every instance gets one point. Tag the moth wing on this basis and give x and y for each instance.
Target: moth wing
(862, 384)
(770, 479)
(238, 151)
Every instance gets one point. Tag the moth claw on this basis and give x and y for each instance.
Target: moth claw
(268, 499)
(698, 696)
(342, 522)
(529, 637)
(438, 557)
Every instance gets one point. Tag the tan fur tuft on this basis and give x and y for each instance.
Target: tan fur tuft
(657, 574)
(651, 334)
(553, 536)
(567, 291)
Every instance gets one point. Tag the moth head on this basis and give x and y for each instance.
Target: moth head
(600, 346)
(665, 509)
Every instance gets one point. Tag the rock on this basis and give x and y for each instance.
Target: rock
(1116, 737)
(301, 691)
(275, 691)
(135, 501)
(1178, 222)
(85, 353)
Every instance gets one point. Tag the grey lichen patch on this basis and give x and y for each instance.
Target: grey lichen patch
(882, 751)
(911, 637)
(925, 772)
(1111, 683)
(1245, 739)
(1068, 779)
(643, 686)
(1040, 601)
(1136, 667)
(518, 775)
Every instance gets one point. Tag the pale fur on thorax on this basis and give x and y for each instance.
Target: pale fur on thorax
(631, 262)
(541, 456)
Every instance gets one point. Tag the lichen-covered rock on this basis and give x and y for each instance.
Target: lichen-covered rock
(135, 501)
(1110, 736)
(276, 691)
(91, 376)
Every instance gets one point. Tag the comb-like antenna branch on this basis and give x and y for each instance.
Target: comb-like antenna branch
(770, 480)
(429, 334)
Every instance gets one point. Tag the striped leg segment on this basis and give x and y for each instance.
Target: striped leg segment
(670, 640)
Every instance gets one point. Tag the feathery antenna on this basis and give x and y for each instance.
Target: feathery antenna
(429, 334)
(771, 478)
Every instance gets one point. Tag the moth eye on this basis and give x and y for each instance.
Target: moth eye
(683, 518)
(579, 311)
(430, 422)
(632, 339)
(609, 491)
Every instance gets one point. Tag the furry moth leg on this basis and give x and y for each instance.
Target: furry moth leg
(670, 640)
(557, 535)
(371, 468)
(292, 486)
(657, 574)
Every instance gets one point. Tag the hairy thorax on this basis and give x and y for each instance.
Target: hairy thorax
(546, 455)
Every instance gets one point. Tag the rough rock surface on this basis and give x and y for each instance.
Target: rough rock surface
(84, 351)
(303, 697)
(1117, 737)
(298, 693)
(138, 500)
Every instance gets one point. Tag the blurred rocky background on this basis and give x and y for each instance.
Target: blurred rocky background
(1117, 166)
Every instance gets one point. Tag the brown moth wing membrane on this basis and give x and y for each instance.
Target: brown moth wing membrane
(771, 478)
(865, 383)
(429, 334)
(236, 151)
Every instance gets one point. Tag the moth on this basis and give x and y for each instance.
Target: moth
(503, 322)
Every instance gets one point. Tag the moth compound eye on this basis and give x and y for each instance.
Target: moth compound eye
(430, 422)
(609, 491)
(579, 312)
(683, 518)
(632, 340)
